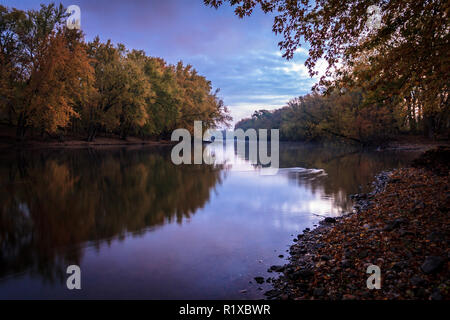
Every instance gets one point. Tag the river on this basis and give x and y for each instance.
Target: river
(141, 227)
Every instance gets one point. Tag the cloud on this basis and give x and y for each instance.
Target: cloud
(257, 80)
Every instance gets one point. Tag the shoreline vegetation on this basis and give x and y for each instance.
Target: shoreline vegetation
(402, 226)
(8, 140)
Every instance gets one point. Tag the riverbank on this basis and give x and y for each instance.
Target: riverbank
(74, 143)
(414, 143)
(402, 226)
(8, 140)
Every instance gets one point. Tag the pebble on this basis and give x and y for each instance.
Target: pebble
(259, 280)
(432, 264)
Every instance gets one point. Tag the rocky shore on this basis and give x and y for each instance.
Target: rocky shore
(402, 227)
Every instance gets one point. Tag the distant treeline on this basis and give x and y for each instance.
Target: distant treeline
(52, 82)
(346, 116)
(352, 115)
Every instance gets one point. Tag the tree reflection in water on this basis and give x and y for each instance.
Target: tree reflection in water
(342, 169)
(54, 201)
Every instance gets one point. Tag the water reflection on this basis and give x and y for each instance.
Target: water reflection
(348, 169)
(334, 171)
(51, 202)
(141, 227)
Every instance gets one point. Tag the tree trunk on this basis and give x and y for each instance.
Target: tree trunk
(21, 129)
(429, 127)
(92, 131)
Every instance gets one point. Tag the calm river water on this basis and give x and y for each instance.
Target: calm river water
(140, 227)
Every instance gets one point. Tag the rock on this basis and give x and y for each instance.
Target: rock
(409, 293)
(318, 245)
(432, 264)
(363, 254)
(329, 220)
(277, 268)
(420, 292)
(301, 274)
(346, 263)
(399, 266)
(366, 295)
(358, 197)
(401, 221)
(391, 276)
(259, 280)
(389, 227)
(272, 293)
(319, 292)
(417, 281)
(325, 258)
(419, 204)
(296, 251)
(436, 295)
(436, 236)
(404, 233)
(348, 253)
(289, 270)
(394, 224)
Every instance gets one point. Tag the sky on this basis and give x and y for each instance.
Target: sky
(239, 56)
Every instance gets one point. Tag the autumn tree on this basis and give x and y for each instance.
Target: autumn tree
(44, 69)
(162, 107)
(137, 95)
(122, 91)
(197, 100)
(52, 81)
